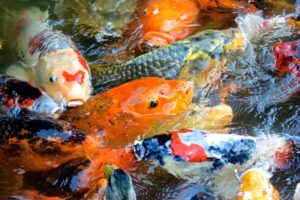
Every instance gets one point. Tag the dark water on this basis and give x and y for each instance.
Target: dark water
(267, 106)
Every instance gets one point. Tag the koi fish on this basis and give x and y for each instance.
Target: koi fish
(20, 97)
(215, 158)
(161, 23)
(52, 61)
(200, 57)
(287, 57)
(256, 185)
(38, 144)
(121, 113)
(51, 152)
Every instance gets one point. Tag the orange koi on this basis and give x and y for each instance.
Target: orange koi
(160, 23)
(256, 185)
(120, 114)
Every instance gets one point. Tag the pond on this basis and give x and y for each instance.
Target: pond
(109, 33)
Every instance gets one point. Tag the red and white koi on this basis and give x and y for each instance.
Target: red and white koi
(52, 60)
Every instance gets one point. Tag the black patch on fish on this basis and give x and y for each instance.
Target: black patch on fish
(62, 180)
(236, 152)
(21, 93)
(34, 130)
(154, 148)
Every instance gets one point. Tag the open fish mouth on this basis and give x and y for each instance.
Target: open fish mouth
(74, 103)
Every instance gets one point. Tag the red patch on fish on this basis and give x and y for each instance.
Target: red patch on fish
(283, 155)
(81, 60)
(287, 57)
(193, 152)
(20, 26)
(78, 76)
(35, 43)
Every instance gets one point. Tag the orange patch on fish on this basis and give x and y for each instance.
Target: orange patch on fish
(81, 60)
(256, 185)
(161, 23)
(126, 111)
(89, 177)
(77, 77)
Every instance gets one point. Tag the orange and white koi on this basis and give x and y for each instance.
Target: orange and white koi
(52, 61)
(256, 185)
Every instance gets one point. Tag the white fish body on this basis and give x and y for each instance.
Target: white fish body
(52, 60)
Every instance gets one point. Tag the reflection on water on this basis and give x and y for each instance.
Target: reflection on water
(264, 101)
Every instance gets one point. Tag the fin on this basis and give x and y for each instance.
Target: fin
(255, 27)
(18, 71)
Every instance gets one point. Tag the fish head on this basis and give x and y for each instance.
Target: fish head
(155, 97)
(164, 22)
(65, 76)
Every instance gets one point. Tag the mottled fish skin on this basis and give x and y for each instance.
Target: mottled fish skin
(37, 129)
(38, 144)
(19, 97)
(168, 61)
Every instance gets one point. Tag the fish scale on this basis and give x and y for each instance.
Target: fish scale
(168, 61)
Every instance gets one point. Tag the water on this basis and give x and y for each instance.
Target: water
(264, 101)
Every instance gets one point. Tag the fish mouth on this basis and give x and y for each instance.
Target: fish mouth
(75, 103)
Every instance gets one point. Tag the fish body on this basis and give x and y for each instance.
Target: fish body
(214, 158)
(197, 146)
(201, 57)
(256, 185)
(20, 97)
(52, 61)
(48, 152)
(38, 144)
(197, 52)
(123, 112)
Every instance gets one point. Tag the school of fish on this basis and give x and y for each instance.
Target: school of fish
(74, 129)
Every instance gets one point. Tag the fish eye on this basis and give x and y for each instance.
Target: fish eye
(153, 104)
(52, 78)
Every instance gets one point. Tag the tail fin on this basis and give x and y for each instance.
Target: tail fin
(14, 21)
(255, 27)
